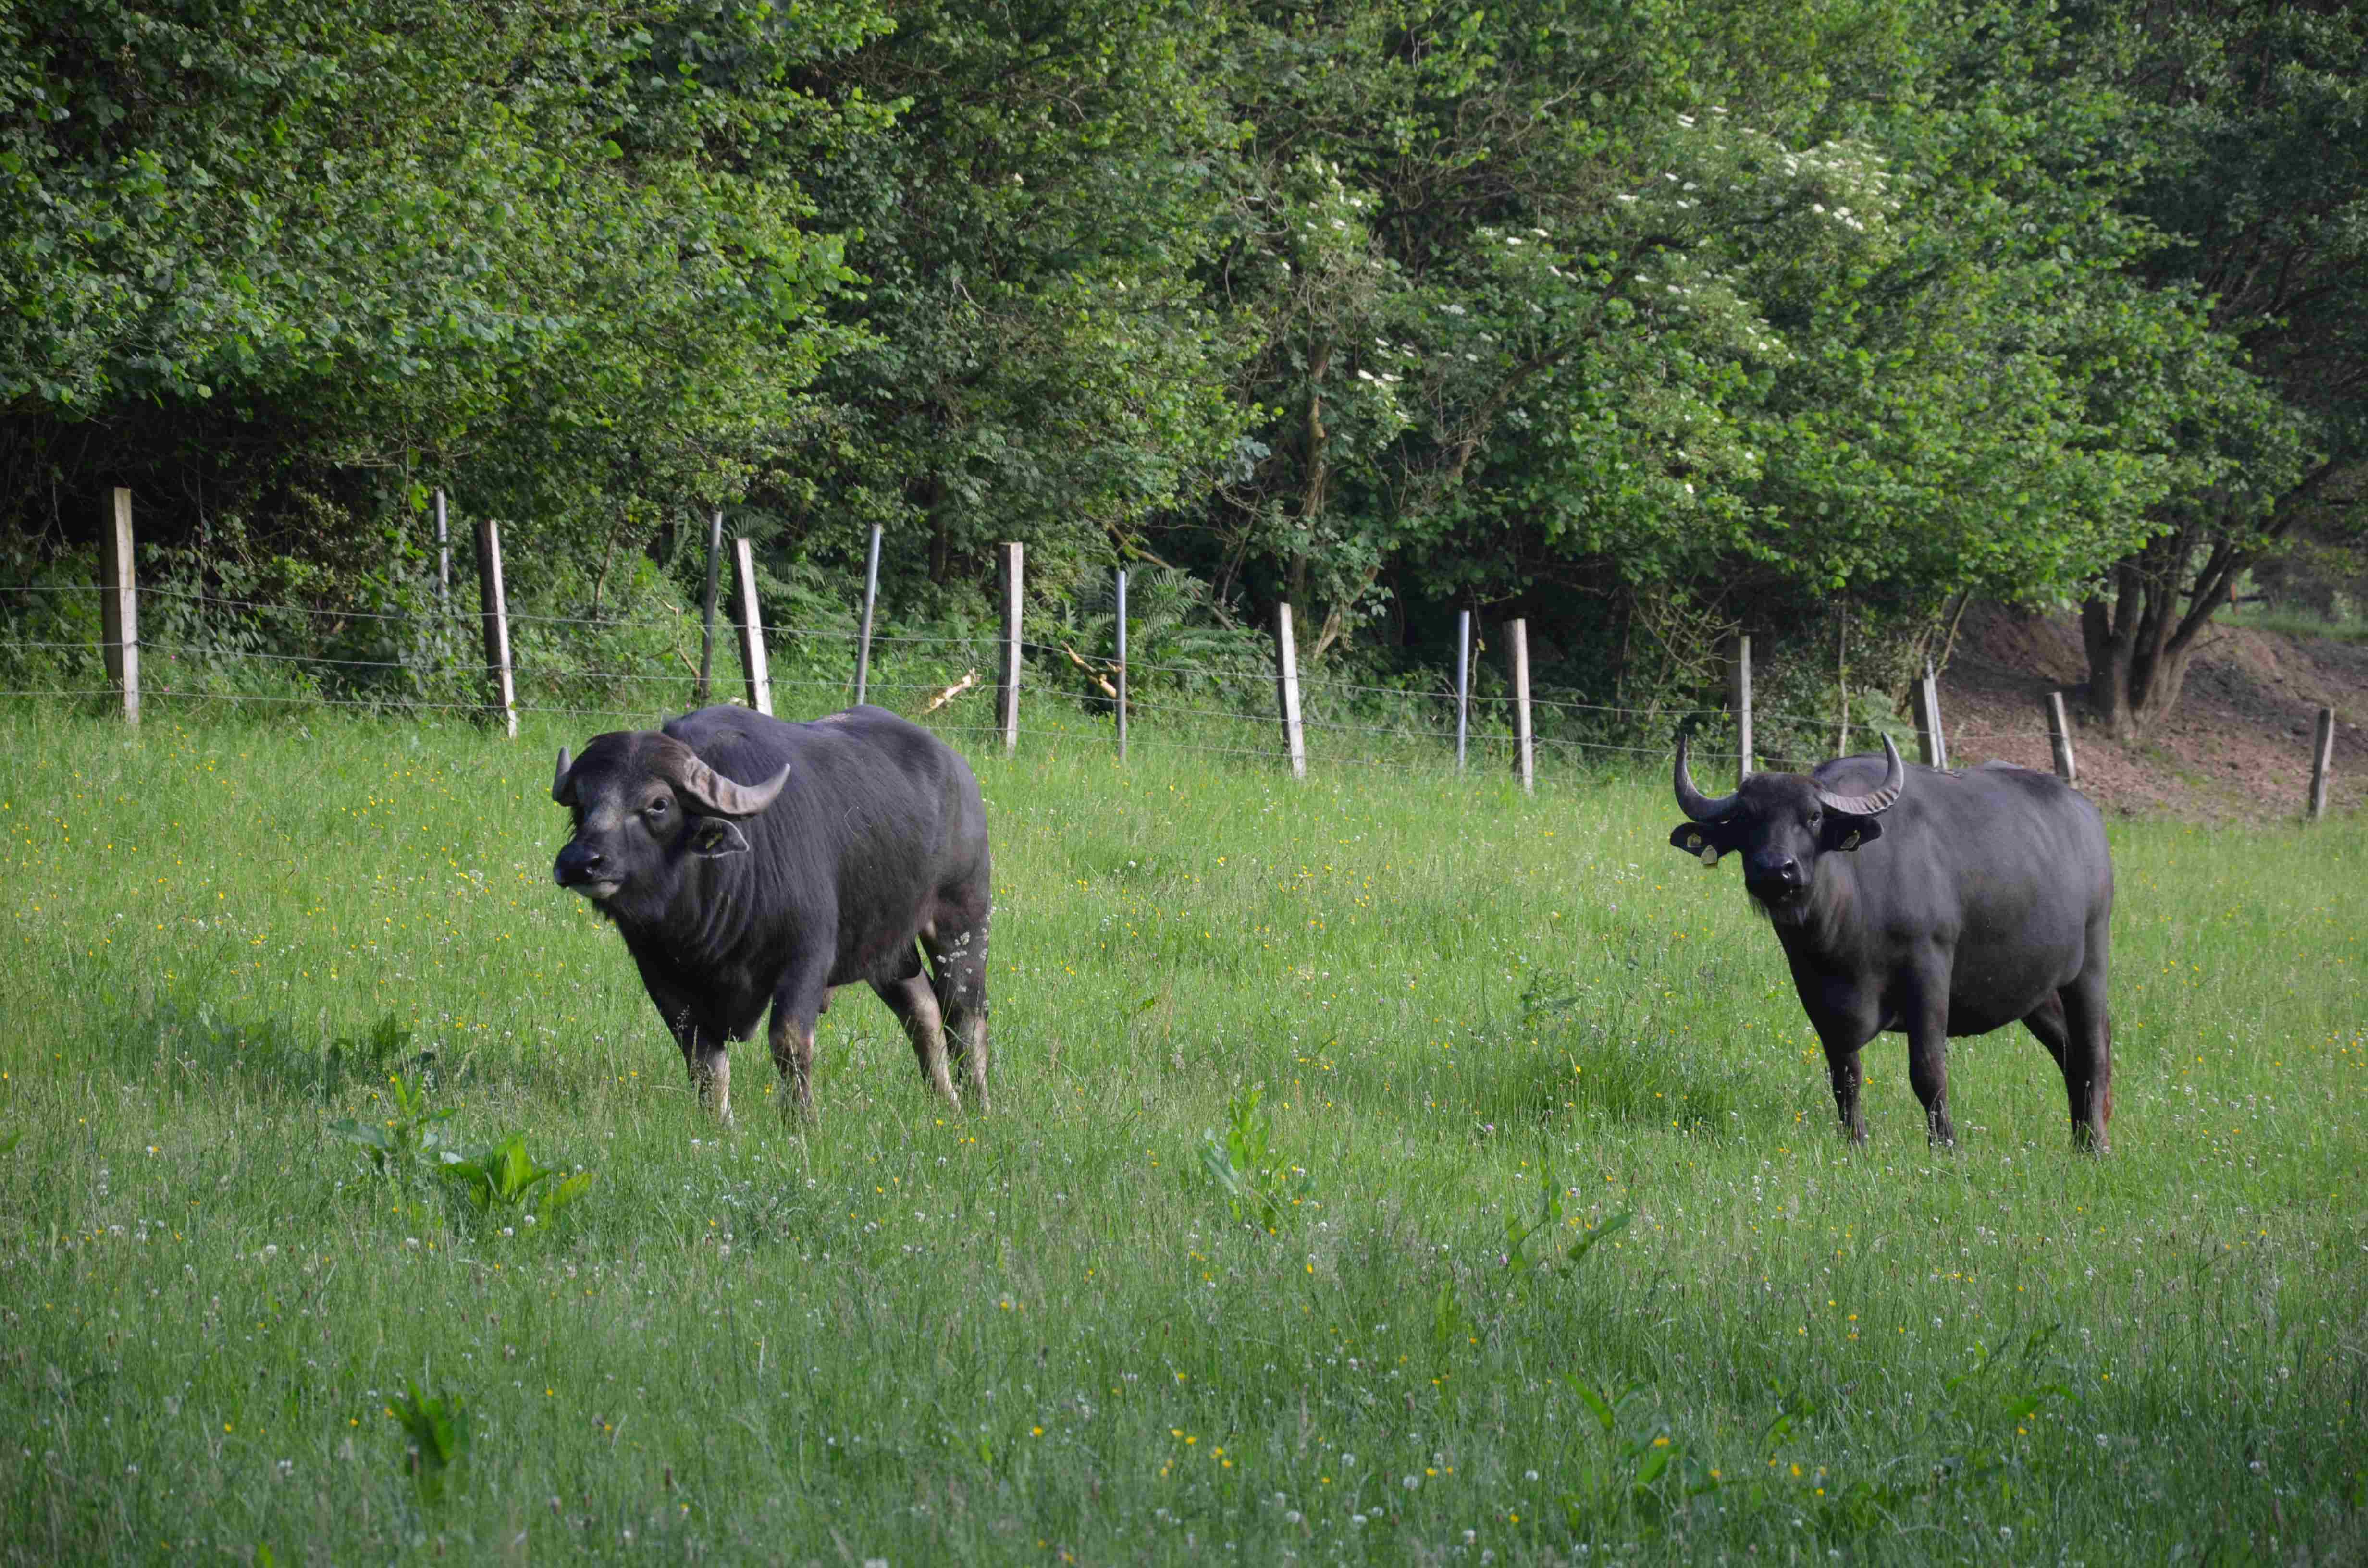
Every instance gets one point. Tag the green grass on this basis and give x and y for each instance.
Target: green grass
(2298, 623)
(1042, 1336)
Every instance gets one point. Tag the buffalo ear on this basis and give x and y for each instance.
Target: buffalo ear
(711, 837)
(1846, 831)
(1706, 844)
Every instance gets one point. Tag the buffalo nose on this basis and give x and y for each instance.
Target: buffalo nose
(1790, 871)
(576, 863)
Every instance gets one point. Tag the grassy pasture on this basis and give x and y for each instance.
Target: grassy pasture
(1043, 1335)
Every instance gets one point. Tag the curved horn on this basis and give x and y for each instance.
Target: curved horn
(558, 789)
(717, 796)
(1894, 780)
(1692, 801)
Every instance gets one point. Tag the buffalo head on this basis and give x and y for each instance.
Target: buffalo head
(642, 803)
(1781, 823)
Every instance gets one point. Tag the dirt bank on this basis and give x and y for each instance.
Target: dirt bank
(2238, 746)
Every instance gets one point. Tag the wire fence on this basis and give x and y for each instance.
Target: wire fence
(1211, 693)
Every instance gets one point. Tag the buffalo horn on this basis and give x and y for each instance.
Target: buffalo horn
(1894, 778)
(717, 796)
(559, 778)
(1692, 801)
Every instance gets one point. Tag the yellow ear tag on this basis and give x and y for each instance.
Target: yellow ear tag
(1710, 855)
(1693, 841)
(1851, 842)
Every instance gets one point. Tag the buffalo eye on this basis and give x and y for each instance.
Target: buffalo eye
(656, 810)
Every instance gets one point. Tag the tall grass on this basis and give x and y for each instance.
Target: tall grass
(1486, 1027)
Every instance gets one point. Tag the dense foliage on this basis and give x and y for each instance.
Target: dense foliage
(1651, 322)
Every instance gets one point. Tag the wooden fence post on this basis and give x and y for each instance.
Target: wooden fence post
(2059, 739)
(1122, 663)
(752, 631)
(119, 605)
(1516, 637)
(707, 609)
(443, 552)
(496, 609)
(1007, 697)
(871, 598)
(1286, 685)
(1929, 739)
(2322, 761)
(1744, 754)
(1462, 682)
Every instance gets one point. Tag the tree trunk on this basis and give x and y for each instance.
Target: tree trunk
(2140, 640)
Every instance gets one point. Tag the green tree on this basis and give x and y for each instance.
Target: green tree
(1038, 363)
(2251, 120)
(554, 256)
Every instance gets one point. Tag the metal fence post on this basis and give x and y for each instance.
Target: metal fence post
(494, 608)
(1007, 700)
(1286, 685)
(1462, 683)
(871, 598)
(1744, 755)
(752, 631)
(2322, 763)
(1929, 739)
(119, 605)
(1517, 635)
(2059, 739)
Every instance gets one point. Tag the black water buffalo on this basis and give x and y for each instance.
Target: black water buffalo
(1931, 904)
(750, 863)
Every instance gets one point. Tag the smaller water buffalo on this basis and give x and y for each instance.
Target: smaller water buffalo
(1931, 904)
(750, 863)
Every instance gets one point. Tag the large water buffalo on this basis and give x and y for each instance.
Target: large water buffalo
(749, 862)
(1929, 903)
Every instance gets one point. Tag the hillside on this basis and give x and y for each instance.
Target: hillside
(2238, 747)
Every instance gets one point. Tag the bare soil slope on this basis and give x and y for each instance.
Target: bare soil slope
(2238, 746)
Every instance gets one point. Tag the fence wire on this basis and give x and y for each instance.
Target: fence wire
(1349, 720)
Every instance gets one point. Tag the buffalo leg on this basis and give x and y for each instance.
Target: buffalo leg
(1926, 1019)
(1843, 1069)
(957, 948)
(912, 1001)
(707, 1058)
(797, 1004)
(2088, 1059)
(792, 1040)
(2045, 1023)
(713, 1076)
